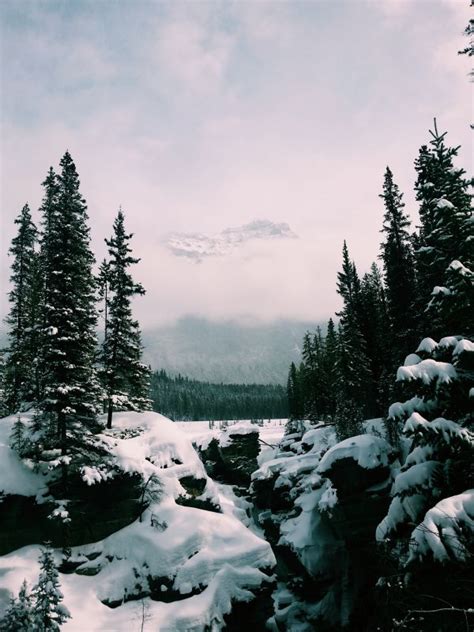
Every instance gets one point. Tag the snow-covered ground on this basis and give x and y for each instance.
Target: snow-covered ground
(207, 560)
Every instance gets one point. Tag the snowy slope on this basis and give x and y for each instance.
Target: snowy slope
(180, 567)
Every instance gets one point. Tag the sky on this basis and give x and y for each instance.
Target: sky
(199, 116)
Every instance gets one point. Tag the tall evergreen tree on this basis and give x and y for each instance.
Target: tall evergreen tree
(376, 332)
(126, 378)
(399, 271)
(295, 400)
(329, 369)
(21, 318)
(446, 233)
(69, 391)
(354, 376)
(309, 378)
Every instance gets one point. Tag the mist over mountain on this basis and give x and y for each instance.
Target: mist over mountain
(229, 351)
(198, 246)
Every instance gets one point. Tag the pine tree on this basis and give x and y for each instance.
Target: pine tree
(309, 379)
(18, 438)
(329, 374)
(376, 332)
(18, 370)
(18, 617)
(351, 385)
(66, 363)
(399, 272)
(354, 375)
(48, 611)
(295, 400)
(126, 378)
(427, 532)
(446, 235)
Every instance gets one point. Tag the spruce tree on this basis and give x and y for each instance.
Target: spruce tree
(329, 369)
(309, 379)
(18, 617)
(48, 611)
(19, 440)
(354, 375)
(18, 371)
(126, 378)
(295, 400)
(446, 235)
(66, 363)
(376, 332)
(399, 272)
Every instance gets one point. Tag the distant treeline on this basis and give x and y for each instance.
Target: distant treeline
(178, 397)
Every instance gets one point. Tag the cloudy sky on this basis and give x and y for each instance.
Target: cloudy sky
(197, 116)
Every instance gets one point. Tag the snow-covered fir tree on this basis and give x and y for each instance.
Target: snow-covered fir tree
(19, 439)
(125, 377)
(69, 390)
(48, 612)
(428, 530)
(22, 316)
(19, 616)
(444, 256)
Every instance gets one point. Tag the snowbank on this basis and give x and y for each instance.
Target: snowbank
(180, 568)
(15, 475)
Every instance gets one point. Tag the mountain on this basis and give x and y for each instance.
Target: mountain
(197, 246)
(228, 352)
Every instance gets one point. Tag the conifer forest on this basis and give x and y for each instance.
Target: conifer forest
(135, 497)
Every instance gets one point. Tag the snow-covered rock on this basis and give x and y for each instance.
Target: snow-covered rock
(368, 451)
(181, 567)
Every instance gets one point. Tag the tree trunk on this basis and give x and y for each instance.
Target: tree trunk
(110, 410)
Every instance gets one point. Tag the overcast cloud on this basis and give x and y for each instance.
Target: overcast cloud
(204, 115)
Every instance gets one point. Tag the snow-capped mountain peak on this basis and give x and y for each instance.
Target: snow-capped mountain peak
(197, 246)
